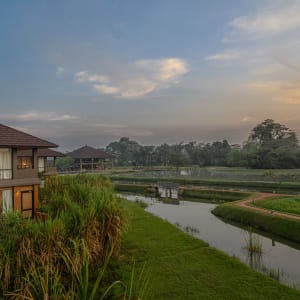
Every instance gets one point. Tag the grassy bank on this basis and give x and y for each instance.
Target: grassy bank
(191, 194)
(134, 188)
(284, 204)
(265, 186)
(283, 227)
(179, 266)
(213, 195)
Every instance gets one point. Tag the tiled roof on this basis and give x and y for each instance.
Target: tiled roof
(10, 137)
(41, 153)
(89, 152)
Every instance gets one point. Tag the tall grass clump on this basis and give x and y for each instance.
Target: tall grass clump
(65, 257)
(253, 243)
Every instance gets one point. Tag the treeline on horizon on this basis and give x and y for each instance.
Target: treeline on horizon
(270, 145)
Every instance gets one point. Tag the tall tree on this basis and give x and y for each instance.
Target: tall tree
(276, 146)
(270, 133)
(125, 150)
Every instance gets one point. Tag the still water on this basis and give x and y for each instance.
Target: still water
(277, 258)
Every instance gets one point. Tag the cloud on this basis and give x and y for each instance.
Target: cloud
(266, 69)
(228, 55)
(246, 119)
(108, 125)
(37, 116)
(85, 76)
(59, 71)
(163, 69)
(280, 91)
(106, 89)
(142, 78)
(270, 22)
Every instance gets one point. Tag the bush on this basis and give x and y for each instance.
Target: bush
(43, 260)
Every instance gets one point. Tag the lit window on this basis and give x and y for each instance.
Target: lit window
(25, 162)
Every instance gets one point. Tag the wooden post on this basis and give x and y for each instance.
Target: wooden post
(80, 165)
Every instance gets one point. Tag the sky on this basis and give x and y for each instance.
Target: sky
(80, 72)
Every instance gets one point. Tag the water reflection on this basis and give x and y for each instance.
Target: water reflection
(276, 259)
(254, 260)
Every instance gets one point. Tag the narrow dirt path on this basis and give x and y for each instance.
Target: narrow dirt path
(248, 203)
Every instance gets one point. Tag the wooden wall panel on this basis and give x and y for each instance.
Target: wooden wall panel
(36, 197)
(17, 195)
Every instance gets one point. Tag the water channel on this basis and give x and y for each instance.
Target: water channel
(279, 258)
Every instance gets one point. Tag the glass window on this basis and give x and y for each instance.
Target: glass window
(25, 162)
(7, 203)
(5, 164)
(41, 164)
(50, 161)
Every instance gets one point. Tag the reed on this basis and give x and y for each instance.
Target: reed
(65, 257)
(274, 273)
(254, 244)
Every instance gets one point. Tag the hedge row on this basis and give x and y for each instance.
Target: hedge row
(284, 227)
(213, 195)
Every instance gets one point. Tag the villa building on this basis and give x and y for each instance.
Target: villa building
(19, 174)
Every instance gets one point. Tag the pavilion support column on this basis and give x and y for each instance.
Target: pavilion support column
(92, 164)
(80, 165)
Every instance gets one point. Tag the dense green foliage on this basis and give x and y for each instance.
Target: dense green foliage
(284, 227)
(276, 146)
(66, 256)
(65, 163)
(284, 204)
(183, 267)
(128, 152)
(270, 146)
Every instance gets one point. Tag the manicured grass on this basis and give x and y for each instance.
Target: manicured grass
(182, 267)
(283, 227)
(284, 204)
(265, 186)
(132, 188)
(213, 195)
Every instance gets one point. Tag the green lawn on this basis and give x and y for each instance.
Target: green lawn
(283, 204)
(264, 186)
(213, 195)
(182, 267)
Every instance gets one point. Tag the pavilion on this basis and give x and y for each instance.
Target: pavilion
(88, 158)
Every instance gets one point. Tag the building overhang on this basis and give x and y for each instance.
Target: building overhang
(5, 183)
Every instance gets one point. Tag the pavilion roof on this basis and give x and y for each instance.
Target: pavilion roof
(89, 152)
